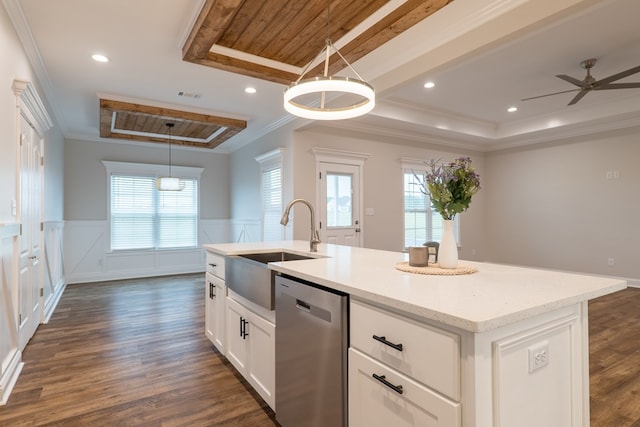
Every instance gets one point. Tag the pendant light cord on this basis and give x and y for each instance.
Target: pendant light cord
(170, 126)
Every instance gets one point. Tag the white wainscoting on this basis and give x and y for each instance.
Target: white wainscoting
(246, 230)
(10, 357)
(54, 279)
(88, 258)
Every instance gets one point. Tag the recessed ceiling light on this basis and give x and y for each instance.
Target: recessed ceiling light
(512, 109)
(99, 58)
(429, 85)
(250, 89)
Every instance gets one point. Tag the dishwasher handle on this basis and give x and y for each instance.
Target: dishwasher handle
(313, 310)
(302, 305)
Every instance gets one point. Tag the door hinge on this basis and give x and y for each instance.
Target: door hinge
(21, 229)
(41, 292)
(42, 226)
(19, 319)
(320, 177)
(320, 225)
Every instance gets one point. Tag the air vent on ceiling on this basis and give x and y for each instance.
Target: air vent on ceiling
(189, 94)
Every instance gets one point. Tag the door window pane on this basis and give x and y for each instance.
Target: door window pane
(339, 200)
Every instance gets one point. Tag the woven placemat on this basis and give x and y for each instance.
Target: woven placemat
(433, 269)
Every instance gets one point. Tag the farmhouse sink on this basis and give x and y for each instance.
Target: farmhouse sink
(249, 276)
(281, 256)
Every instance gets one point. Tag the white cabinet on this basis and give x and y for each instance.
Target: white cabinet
(401, 372)
(251, 348)
(381, 396)
(214, 311)
(215, 299)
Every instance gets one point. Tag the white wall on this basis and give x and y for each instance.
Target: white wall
(552, 205)
(245, 181)
(87, 253)
(53, 175)
(15, 66)
(85, 178)
(382, 186)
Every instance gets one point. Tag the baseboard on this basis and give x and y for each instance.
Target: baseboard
(121, 275)
(10, 375)
(53, 302)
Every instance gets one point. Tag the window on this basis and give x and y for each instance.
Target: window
(421, 223)
(141, 217)
(339, 203)
(271, 189)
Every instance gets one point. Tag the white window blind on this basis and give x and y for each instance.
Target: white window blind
(272, 197)
(272, 203)
(421, 223)
(145, 218)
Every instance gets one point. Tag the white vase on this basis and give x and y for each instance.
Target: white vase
(448, 251)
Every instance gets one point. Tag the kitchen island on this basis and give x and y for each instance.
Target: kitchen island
(504, 346)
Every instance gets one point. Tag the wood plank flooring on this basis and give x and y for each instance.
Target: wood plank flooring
(614, 359)
(133, 353)
(130, 353)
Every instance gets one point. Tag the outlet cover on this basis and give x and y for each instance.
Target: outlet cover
(538, 356)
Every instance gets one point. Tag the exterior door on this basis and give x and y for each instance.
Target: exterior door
(30, 207)
(340, 204)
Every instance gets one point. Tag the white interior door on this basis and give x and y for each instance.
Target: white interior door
(340, 204)
(30, 207)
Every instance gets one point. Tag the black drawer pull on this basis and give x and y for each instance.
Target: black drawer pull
(244, 328)
(384, 341)
(383, 380)
(213, 265)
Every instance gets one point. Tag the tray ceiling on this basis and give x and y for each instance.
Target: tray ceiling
(137, 122)
(276, 39)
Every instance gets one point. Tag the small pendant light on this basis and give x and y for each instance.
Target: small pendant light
(169, 183)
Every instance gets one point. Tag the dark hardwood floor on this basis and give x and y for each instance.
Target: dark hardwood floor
(133, 353)
(130, 353)
(614, 359)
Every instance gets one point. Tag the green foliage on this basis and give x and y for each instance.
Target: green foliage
(451, 186)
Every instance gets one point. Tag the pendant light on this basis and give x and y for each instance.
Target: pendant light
(319, 86)
(169, 183)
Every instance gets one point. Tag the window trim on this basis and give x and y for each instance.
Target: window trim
(150, 170)
(410, 165)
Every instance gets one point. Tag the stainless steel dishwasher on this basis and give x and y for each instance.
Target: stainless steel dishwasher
(311, 354)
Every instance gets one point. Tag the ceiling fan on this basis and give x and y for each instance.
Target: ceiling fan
(590, 83)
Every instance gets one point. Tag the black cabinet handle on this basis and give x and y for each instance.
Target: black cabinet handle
(211, 292)
(243, 328)
(383, 380)
(212, 264)
(384, 341)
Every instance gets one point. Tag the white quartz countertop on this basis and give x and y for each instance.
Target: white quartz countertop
(495, 296)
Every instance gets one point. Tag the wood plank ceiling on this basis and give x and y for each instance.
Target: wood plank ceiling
(137, 122)
(275, 39)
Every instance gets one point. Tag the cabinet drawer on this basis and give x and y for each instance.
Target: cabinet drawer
(393, 399)
(425, 353)
(215, 265)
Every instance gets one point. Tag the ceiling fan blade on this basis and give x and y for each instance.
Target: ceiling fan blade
(620, 75)
(549, 94)
(618, 86)
(578, 97)
(570, 79)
